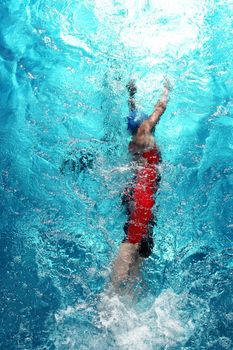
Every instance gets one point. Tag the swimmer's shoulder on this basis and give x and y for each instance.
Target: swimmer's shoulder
(137, 148)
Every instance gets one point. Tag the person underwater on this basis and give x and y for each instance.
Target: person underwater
(138, 198)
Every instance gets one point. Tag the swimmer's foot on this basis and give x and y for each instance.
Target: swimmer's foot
(132, 88)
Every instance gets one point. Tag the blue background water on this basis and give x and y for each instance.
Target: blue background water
(64, 67)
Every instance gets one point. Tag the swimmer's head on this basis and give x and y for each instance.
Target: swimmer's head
(135, 119)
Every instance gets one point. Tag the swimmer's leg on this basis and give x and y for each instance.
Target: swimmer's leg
(126, 265)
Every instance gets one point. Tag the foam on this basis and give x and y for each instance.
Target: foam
(162, 324)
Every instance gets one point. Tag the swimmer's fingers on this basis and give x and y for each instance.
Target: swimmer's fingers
(167, 84)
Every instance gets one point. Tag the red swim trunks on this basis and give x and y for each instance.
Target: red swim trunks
(139, 198)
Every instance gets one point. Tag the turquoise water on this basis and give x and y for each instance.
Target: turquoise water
(64, 67)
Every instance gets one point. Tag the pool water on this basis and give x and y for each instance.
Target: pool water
(64, 67)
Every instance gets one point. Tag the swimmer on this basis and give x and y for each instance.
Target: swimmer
(138, 197)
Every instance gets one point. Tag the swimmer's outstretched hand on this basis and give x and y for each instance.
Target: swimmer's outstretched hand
(167, 84)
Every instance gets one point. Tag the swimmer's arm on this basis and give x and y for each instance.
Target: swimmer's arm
(159, 109)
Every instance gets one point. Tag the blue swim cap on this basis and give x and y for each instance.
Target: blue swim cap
(135, 119)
